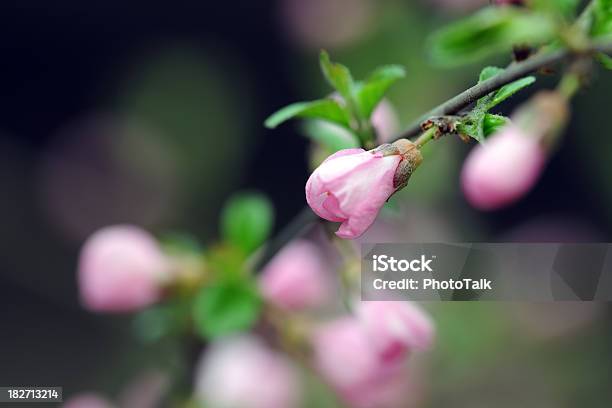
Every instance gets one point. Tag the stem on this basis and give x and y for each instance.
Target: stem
(428, 135)
(511, 74)
(305, 217)
(569, 85)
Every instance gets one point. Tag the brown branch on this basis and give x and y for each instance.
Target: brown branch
(512, 73)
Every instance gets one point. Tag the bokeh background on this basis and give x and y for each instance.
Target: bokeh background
(151, 113)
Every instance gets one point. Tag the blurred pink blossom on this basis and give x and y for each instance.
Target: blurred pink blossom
(350, 187)
(385, 122)
(244, 373)
(121, 268)
(346, 357)
(297, 277)
(87, 400)
(503, 169)
(396, 327)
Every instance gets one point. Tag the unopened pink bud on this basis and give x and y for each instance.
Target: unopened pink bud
(503, 169)
(244, 373)
(385, 122)
(396, 327)
(347, 358)
(343, 352)
(352, 185)
(121, 268)
(88, 400)
(297, 277)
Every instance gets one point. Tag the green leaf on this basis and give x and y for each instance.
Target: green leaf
(488, 73)
(492, 123)
(602, 18)
(604, 60)
(338, 76)
(370, 92)
(326, 109)
(246, 221)
(479, 124)
(224, 309)
(491, 31)
(507, 91)
(332, 136)
(472, 125)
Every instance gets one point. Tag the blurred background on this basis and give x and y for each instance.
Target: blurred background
(151, 113)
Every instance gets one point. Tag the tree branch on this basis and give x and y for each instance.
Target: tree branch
(450, 107)
(512, 73)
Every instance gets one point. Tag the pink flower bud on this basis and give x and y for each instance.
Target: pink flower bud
(343, 352)
(396, 327)
(385, 122)
(297, 277)
(244, 373)
(352, 185)
(87, 400)
(346, 357)
(121, 268)
(503, 169)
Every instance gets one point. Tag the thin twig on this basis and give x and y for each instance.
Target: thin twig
(512, 73)
(290, 231)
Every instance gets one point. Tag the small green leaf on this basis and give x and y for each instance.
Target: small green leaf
(492, 123)
(338, 76)
(488, 73)
(491, 31)
(507, 91)
(604, 60)
(246, 221)
(478, 124)
(224, 309)
(472, 125)
(372, 90)
(332, 136)
(326, 109)
(602, 18)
